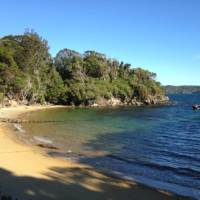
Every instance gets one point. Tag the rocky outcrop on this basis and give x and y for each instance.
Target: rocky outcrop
(102, 102)
(134, 102)
(150, 100)
(153, 100)
(9, 103)
(107, 102)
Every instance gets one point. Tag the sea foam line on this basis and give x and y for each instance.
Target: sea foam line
(19, 128)
(43, 140)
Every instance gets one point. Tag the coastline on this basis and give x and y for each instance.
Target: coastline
(26, 172)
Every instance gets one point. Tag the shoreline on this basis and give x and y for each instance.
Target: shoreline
(20, 162)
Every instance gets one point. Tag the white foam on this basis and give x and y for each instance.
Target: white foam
(43, 140)
(19, 128)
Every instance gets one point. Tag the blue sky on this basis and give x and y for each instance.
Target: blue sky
(159, 35)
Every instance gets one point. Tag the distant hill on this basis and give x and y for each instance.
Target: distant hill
(184, 89)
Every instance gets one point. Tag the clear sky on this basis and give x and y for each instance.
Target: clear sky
(159, 35)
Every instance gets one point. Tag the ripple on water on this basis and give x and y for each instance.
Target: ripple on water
(157, 146)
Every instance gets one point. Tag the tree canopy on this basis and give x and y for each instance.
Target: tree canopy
(29, 73)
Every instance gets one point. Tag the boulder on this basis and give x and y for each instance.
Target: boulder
(114, 102)
(13, 103)
(147, 101)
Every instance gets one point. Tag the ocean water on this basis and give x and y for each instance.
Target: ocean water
(158, 145)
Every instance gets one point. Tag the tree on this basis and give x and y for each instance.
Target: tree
(24, 65)
(69, 64)
(55, 88)
(29, 73)
(95, 65)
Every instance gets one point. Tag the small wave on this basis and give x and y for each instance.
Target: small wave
(19, 128)
(178, 170)
(43, 140)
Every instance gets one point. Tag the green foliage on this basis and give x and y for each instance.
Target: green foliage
(95, 65)
(28, 73)
(6, 57)
(25, 64)
(93, 76)
(55, 91)
(141, 91)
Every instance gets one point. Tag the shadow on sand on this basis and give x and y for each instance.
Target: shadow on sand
(74, 183)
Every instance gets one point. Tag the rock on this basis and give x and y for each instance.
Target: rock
(138, 103)
(147, 101)
(94, 105)
(133, 102)
(114, 102)
(6, 102)
(13, 103)
(24, 102)
(153, 100)
(110, 102)
(48, 146)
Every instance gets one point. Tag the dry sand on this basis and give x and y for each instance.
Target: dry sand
(27, 173)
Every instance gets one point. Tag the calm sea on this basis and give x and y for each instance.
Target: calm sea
(158, 146)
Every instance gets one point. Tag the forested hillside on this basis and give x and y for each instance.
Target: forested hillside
(29, 74)
(184, 89)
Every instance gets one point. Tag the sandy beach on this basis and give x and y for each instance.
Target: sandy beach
(27, 173)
